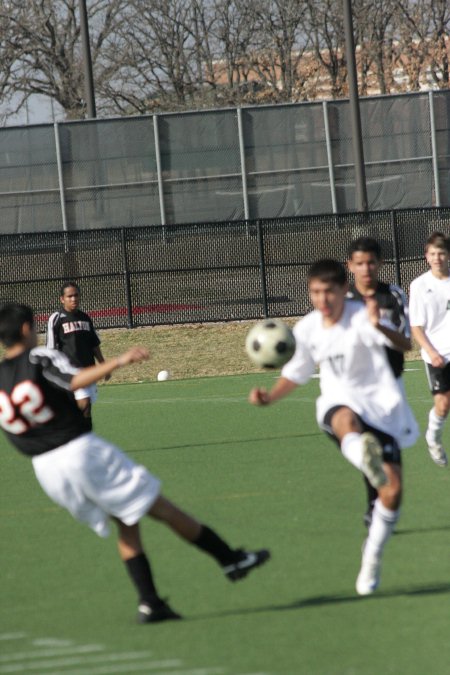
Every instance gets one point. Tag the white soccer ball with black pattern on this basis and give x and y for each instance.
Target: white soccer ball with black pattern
(270, 343)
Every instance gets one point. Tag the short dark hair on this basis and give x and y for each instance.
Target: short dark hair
(328, 271)
(12, 317)
(68, 284)
(365, 245)
(439, 240)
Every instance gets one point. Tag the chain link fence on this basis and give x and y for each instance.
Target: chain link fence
(239, 164)
(207, 272)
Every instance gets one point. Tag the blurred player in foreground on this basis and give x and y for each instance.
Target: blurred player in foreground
(361, 406)
(71, 331)
(430, 325)
(364, 262)
(84, 473)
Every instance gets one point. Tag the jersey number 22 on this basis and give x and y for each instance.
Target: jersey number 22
(23, 408)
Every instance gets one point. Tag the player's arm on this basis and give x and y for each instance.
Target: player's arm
(88, 376)
(421, 338)
(418, 317)
(98, 355)
(398, 339)
(282, 388)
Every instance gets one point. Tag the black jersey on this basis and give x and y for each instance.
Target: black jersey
(394, 307)
(74, 334)
(37, 409)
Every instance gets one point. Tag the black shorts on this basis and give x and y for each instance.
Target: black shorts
(438, 378)
(391, 449)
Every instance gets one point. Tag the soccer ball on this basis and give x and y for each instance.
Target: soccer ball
(270, 343)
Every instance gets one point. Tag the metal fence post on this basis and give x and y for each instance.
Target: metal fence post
(162, 208)
(398, 272)
(243, 165)
(126, 278)
(437, 191)
(60, 177)
(262, 267)
(329, 156)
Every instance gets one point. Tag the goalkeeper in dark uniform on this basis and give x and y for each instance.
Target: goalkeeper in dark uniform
(82, 472)
(364, 262)
(71, 331)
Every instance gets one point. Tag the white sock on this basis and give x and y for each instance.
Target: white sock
(435, 425)
(383, 522)
(351, 448)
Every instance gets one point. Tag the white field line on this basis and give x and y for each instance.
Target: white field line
(198, 671)
(51, 642)
(123, 668)
(49, 661)
(76, 661)
(45, 653)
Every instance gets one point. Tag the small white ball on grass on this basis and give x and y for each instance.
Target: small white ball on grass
(163, 375)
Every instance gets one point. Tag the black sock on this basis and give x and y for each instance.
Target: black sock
(141, 575)
(209, 542)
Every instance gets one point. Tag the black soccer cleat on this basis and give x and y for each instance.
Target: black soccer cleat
(244, 563)
(162, 612)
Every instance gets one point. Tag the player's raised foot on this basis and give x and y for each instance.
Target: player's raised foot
(437, 452)
(245, 562)
(372, 460)
(369, 576)
(161, 612)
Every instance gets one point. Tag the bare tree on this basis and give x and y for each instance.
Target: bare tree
(281, 42)
(158, 63)
(375, 26)
(45, 38)
(327, 30)
(178, 54)
(423, 42)
(234, 32)
(7, 56)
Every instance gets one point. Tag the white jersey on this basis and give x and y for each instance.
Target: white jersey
(354, 371)
(429, 307)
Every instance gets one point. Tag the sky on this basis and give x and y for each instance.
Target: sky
(39, 111)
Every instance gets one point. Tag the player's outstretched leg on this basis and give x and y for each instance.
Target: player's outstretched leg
(433, 437)
(235, 563)
(151, 607)
(385, 515)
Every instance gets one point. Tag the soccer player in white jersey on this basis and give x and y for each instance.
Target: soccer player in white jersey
(429, 304)
(361, 405)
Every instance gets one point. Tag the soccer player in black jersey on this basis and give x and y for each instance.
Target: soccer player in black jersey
(70, 330)
(90, 477)
(364, 262)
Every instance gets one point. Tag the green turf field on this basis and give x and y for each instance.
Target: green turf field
(264, 477)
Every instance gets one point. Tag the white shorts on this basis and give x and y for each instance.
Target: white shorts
(86, 392)
(94, 480)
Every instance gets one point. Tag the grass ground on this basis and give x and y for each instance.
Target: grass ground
(262, 477)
